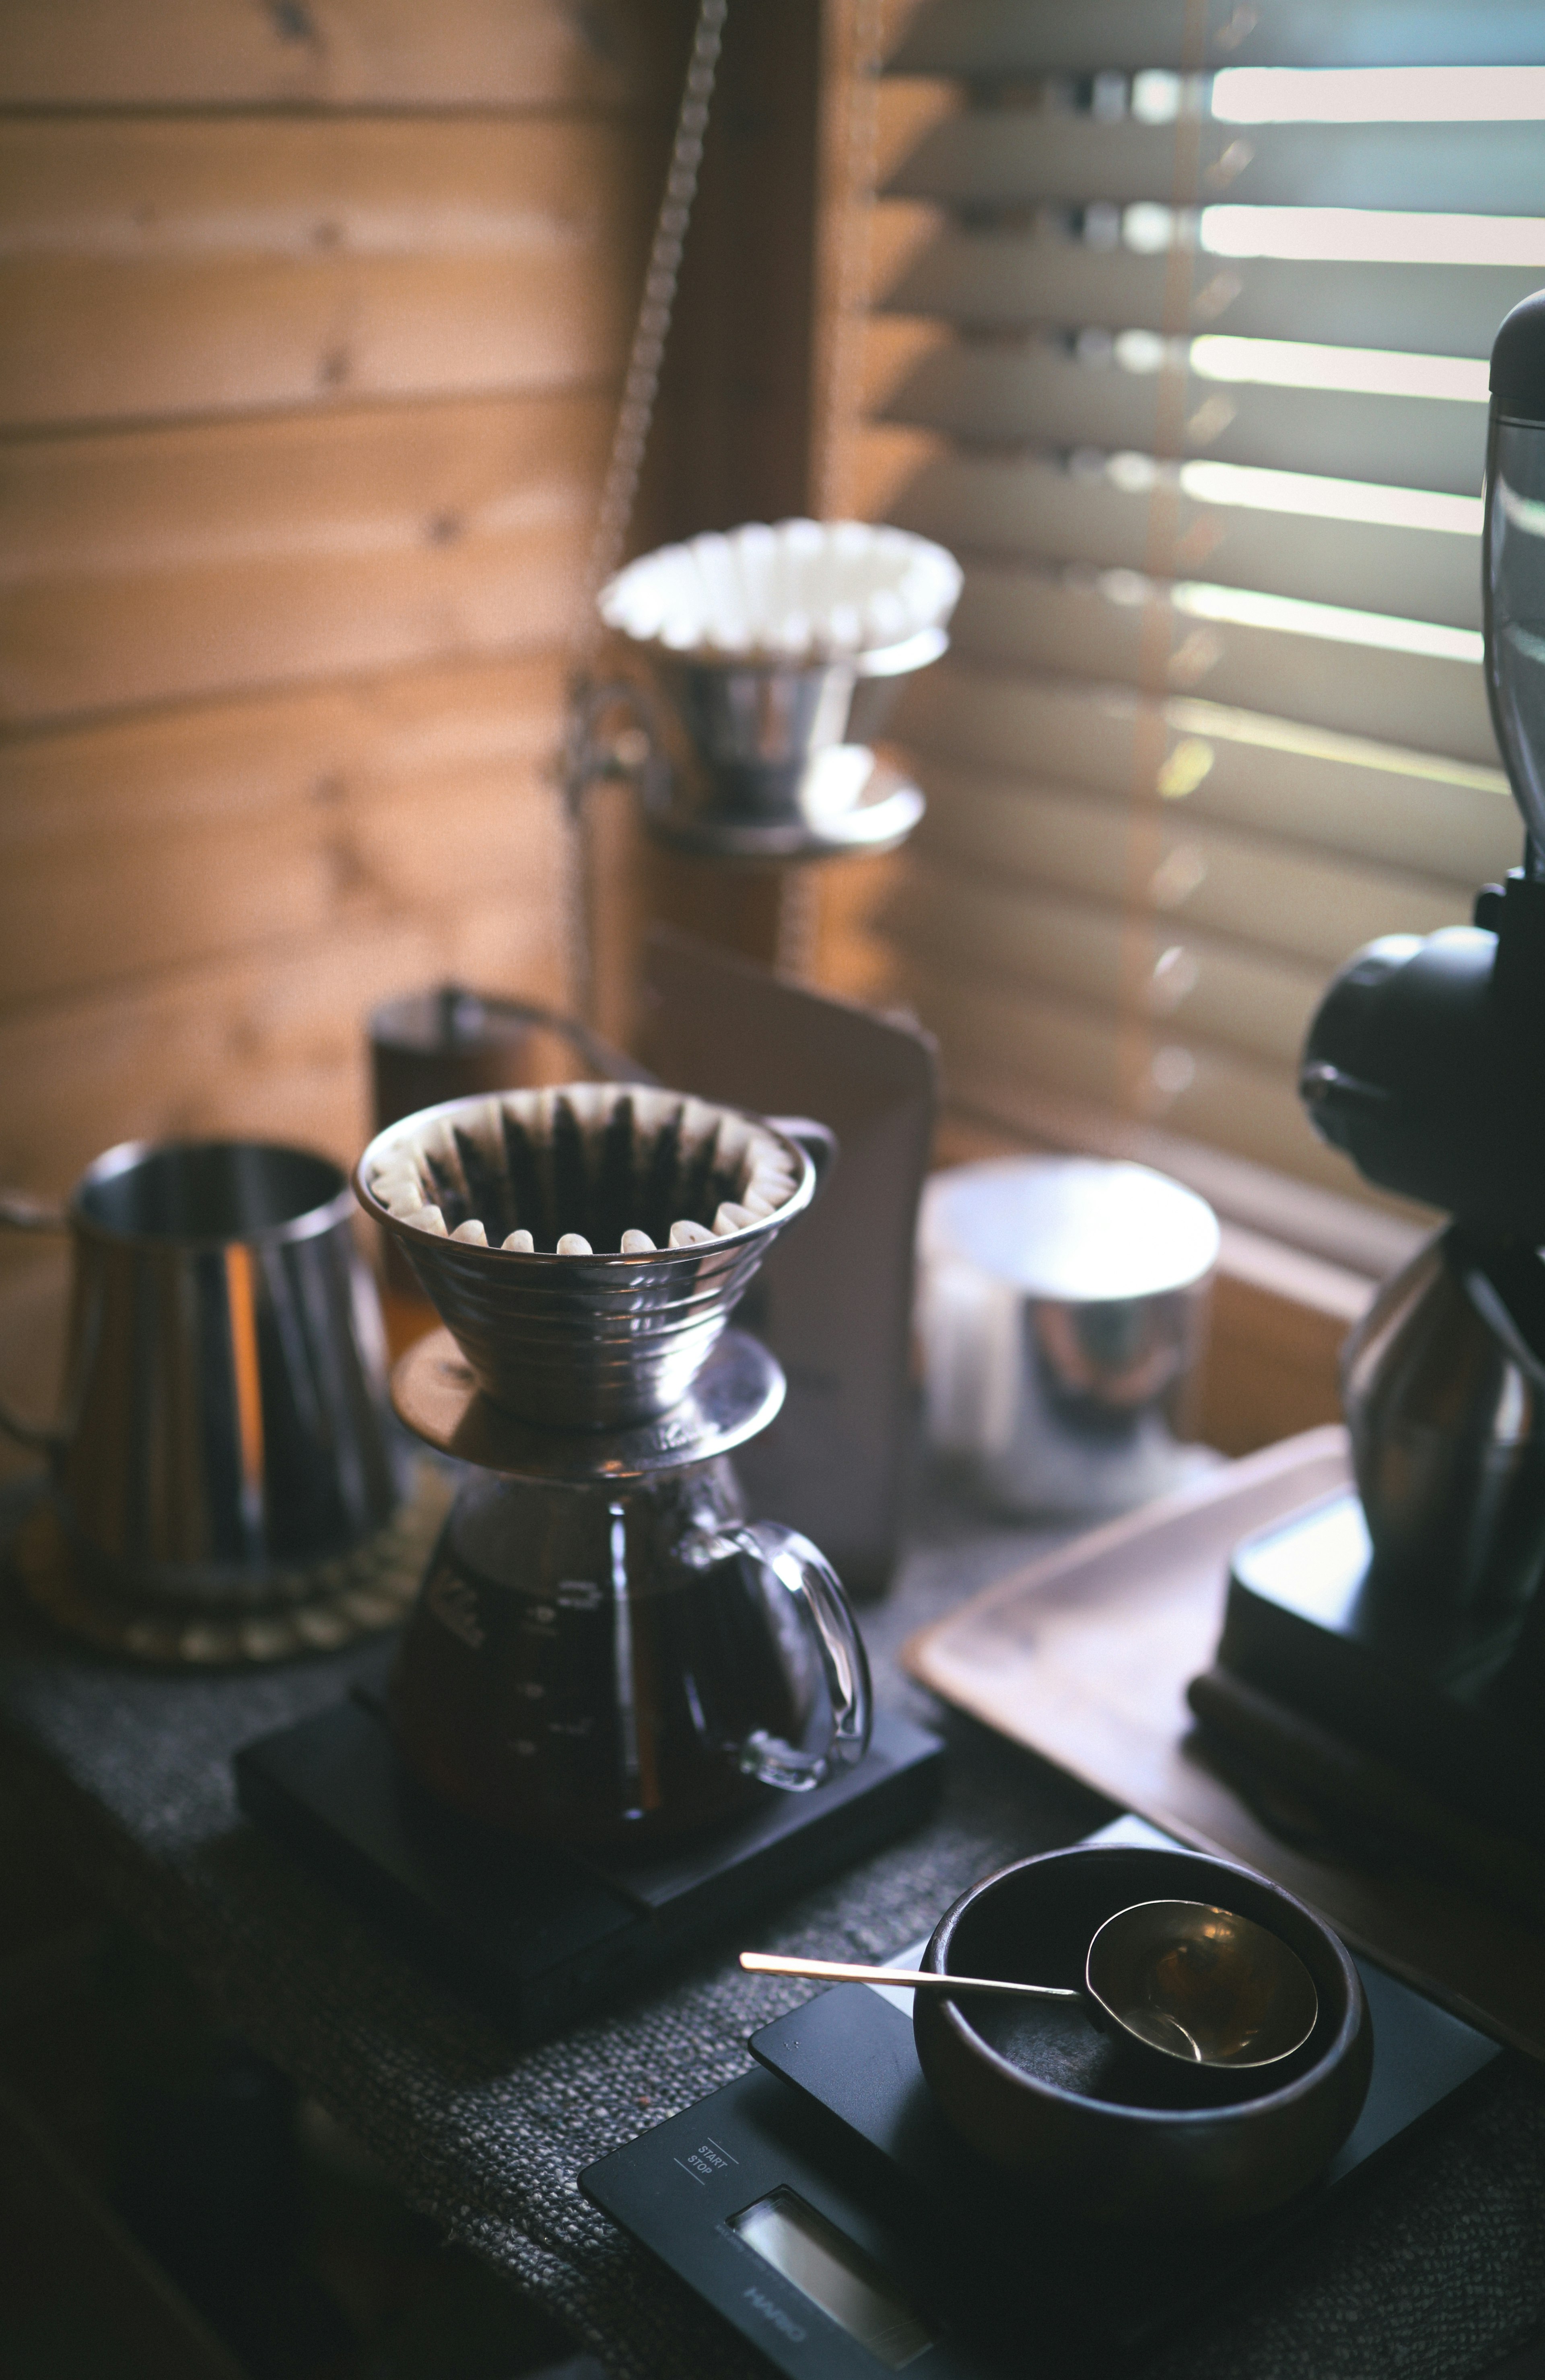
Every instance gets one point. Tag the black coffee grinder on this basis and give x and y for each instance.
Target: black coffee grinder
(1409, 1620)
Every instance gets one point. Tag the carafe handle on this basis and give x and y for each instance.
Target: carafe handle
(20, 1211)
(803, 1571)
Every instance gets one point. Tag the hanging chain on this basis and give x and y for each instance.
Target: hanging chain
(583, 758)
(620, 488)
(798, 943)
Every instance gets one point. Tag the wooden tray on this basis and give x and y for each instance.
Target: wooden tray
(1085, 1657)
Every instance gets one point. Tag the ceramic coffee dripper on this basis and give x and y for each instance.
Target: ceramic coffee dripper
(605, 1648)
(224, 1422)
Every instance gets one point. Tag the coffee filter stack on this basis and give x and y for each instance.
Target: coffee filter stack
(803, 592)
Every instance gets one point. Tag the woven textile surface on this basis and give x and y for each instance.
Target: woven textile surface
(1436, 2270)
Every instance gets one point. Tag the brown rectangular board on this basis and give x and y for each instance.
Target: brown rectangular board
(833, 1302)
(1085, 1657)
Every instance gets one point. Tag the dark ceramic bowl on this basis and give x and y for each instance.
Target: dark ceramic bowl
(1115, 2133)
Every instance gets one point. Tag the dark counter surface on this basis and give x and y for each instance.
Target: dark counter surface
(1437, 2270)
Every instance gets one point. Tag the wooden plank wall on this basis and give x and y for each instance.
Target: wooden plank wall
(311, 319)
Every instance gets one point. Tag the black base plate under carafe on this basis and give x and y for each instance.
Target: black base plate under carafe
(537, 1934)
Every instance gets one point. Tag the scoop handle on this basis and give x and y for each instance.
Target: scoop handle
(839, 1971)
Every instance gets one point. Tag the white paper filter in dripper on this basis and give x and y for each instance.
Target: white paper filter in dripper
(586, 1242)
(803, 592)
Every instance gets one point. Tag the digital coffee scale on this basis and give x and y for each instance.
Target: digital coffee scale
(824, 2206)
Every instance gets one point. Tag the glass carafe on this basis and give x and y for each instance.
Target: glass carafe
(606, 1661)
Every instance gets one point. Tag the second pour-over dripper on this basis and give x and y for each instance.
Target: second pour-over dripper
(779, 652)
(605, 1648)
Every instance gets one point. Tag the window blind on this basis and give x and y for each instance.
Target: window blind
(1211, 292)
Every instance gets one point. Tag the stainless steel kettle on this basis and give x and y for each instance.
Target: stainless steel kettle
(224, 1425)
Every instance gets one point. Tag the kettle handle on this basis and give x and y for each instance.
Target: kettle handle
(20, 1211)
(803, 1571)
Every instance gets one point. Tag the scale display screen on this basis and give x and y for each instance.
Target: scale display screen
(835, 2276)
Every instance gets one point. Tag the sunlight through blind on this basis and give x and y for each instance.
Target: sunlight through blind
(1208, 303)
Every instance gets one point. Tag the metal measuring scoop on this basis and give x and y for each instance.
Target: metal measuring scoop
(1192, 1982)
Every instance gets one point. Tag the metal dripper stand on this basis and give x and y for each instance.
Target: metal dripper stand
(775, 655)
(1409, 1620)
(605, 1649)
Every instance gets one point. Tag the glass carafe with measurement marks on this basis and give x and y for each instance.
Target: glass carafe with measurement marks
(605, 1649)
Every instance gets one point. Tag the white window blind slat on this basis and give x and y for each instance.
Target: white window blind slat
(1408, 812)
(1298, 905)
(994, 1032)
(988, 41)
(1043, 513)
(1032, 620)
(1010, 158)
(1006, 280)
(990, 394)
(1241, 999)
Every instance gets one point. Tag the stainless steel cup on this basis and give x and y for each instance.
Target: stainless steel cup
(1063, 1310)
(226, 1422)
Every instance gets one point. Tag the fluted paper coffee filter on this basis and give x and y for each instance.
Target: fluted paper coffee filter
(647, 1214)
(801, 591)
